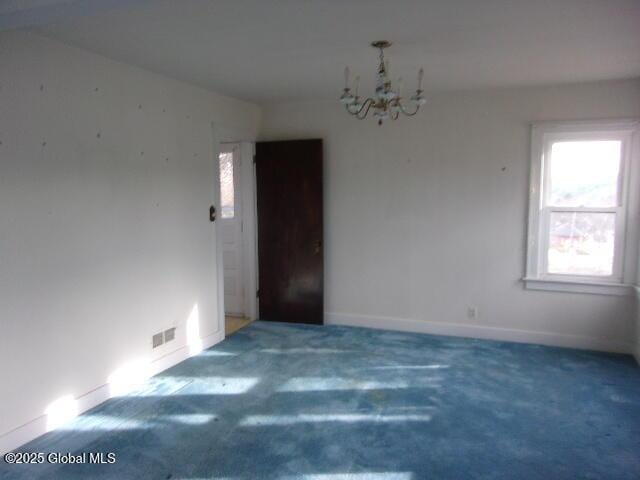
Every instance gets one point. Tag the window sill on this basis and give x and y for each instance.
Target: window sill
(597, 288)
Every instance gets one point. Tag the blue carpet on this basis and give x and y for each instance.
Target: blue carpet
(279, 401)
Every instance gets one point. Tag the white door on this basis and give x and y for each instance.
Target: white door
(231, 228)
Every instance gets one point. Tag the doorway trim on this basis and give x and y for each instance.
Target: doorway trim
(224, 135)
(248, 236)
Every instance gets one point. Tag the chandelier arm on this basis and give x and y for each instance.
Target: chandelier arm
(357, 112)
(408, 114)
(368, 103)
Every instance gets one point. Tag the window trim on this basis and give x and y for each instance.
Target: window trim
(542, 137)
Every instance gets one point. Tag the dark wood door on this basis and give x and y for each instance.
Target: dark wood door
(290, 243)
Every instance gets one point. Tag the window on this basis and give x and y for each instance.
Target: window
(578, 207)
(227, 192)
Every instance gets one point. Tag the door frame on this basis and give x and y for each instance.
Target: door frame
(222, 135)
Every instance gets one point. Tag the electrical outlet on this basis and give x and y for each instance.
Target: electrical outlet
(472, 312)
(157, 340)
(169, 334)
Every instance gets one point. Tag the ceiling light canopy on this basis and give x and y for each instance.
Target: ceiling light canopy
(387, 101)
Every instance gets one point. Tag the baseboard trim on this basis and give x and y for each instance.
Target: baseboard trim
(13, 439)
(477, 331)
(636, 350)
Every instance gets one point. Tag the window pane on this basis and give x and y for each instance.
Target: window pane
(581, 243)
(584, 174)
(226, 185)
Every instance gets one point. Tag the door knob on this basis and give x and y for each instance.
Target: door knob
(317, 245)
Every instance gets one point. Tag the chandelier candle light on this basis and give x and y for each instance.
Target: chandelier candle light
(386, 102)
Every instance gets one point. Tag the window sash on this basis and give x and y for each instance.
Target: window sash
(549, 140)
(618, 246)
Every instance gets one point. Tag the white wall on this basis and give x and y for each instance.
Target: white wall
(427, 216)
(106, 177)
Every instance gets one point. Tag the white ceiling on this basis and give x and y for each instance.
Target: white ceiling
(274, 50)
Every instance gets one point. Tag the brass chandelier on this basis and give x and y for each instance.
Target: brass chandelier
(386, 102)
